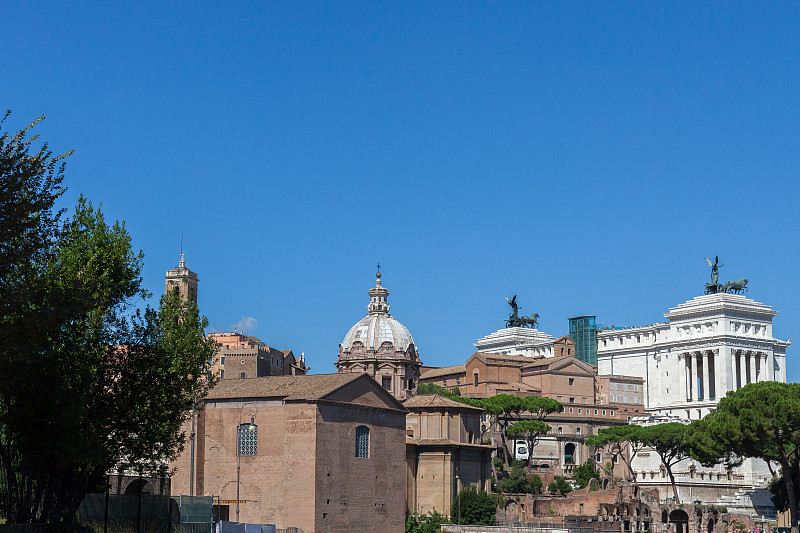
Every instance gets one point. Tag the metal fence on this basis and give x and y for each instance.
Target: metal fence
(128, 513)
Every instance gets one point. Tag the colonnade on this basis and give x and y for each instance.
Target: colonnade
(699, 371)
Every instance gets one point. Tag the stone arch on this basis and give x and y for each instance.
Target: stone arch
(511, 509)
(664, 516)
(605, 483)
(136, 486)
(680, 519)
(570, 453)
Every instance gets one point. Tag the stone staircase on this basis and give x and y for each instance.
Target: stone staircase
(750, 501)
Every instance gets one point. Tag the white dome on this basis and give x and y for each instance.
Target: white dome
(375, 329)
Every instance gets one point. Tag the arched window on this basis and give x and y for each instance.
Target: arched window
(475, 379)
(362, 441)
(560, 430)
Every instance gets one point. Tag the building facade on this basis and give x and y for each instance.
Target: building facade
(709, 346)
(245, 356)
(444, 453)
(380, 346)
(323, 453)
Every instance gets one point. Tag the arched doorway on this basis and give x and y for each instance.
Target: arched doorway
(569, 454)
(680, 519)
(136, 486)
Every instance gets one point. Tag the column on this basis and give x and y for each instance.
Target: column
(689, 375)
(698, 380)
(737, 369)
(682, 373)
(752, 367)
(713, 369)
(762, 367)
(705, 357)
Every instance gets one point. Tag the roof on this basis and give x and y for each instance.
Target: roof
(312, 387)
(558, 362)
(435, 400)
(484, 356)
(444, 371)
(445, 442)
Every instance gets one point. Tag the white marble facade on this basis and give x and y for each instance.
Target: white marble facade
(710, 345)
(517, 341)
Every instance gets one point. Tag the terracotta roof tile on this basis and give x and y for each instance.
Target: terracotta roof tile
(434, 400)
(447, 370)
(445, 442)
(312, 387)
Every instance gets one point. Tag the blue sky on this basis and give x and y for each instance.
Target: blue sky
(584, 156)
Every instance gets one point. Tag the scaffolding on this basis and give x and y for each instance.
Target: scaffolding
(583, 330)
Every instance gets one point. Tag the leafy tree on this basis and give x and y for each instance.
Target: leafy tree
(669, 442)
(520, 482)
(530, 431)
(473, 507)
(430, 523)
(617, 440)
(760, 420)
(432, 388)
(559, 486)
(584, 473)
(506, 409)
(112, 385)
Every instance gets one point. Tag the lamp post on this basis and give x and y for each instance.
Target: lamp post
(252, 427)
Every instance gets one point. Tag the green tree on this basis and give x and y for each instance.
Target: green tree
(584, 473)
(530, 431)
(759, 420)
(559, 486)
(669, 442)
(473, 507)
(520, 482)
(430, 523)
(621, 442)
(506, 409)
(112, 384)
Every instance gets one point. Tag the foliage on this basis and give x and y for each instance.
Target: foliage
(473, 507)
(498, 463)
(584, 473)
(559, 486)
(430, 523)
(506, 409)
(520, 482)
(432, 388)
(669, 442)
(617, 440)
(529, 430)
(111, 383)
(759, 420)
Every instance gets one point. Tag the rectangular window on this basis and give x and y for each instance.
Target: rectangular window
(570, 409)
(614, 397)
(362, 441)
(221, 374)
(248, 439)
(572, 381)
(222, 360)
(386, 382)
(242, 375)
(572, 400)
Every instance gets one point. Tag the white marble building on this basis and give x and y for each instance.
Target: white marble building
(517, 341)
(710, 345)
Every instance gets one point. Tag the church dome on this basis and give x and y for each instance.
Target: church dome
(378, 332)
(375, 329)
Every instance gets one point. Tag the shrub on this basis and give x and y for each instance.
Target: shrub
(473, 507)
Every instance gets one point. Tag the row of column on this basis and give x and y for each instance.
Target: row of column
(699, 374)
(749, 367)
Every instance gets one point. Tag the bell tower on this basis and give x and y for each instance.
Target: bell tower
(184, 280)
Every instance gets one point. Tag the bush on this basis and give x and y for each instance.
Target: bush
(560, 485)
(473, 507)
(584, 473)
(430, 523)
(498, 463)
(519, 482)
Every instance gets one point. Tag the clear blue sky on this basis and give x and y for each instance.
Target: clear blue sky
(585, 156)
